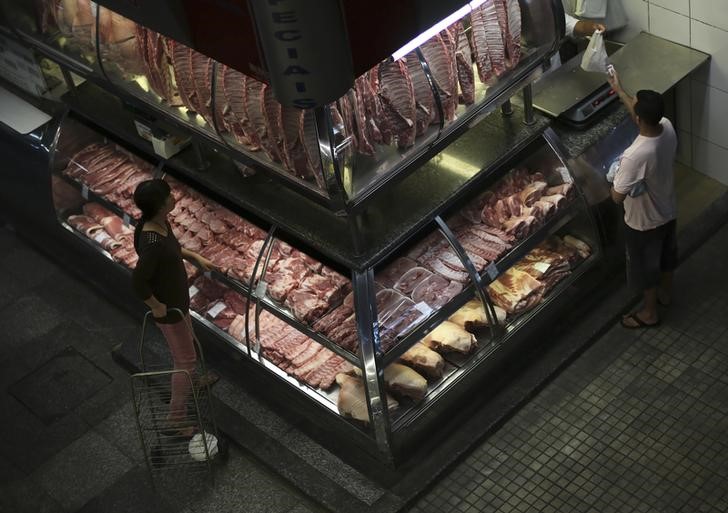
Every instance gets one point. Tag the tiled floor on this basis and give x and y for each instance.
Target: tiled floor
(639, 423)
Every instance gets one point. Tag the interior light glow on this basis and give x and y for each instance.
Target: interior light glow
(439, 26)
(456, 165)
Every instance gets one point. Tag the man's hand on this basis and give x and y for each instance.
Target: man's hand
(584, 28)
(613, 79)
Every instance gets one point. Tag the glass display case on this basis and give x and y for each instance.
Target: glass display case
(395, 117)
(381, 349)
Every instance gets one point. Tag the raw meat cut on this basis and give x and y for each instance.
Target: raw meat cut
(405, 382)
(513, 10)
(444, 73)
(464, 62)
(425, 360)
(398, 121)
(352, 398)
(450, 337)
(479, 42)
(424, 99)
(512, 290)
(494, 35)
(394, 271)
(411, 279)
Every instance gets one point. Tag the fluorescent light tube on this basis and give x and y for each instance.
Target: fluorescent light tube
(439, 26)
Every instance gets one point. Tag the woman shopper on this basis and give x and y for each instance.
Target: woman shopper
(160, 280)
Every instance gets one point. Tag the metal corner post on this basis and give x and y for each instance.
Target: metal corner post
(528, 113)
(371, 352)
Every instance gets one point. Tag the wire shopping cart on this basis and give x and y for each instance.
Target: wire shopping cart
(190, 446)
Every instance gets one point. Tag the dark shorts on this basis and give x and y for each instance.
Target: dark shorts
(650, 253)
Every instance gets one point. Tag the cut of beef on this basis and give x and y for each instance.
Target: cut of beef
(394, 271)
(464, 61)
(513, 10)
(411, 279)
(479, 41)
(398, 100)
(442, 66)
(494, 35)
(424, 99)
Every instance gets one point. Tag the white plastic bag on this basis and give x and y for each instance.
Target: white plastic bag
(197, 446)
(595, 57)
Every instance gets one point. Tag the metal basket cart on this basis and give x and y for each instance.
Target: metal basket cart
(165, 449)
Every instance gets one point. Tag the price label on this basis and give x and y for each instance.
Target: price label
(84, 191)
(261, 288)
(423, 308)
(215, 310)
(193, 291)
(492, 271)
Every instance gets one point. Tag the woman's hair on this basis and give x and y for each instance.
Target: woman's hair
(150, 197)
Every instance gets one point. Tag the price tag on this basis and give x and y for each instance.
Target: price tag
(215, 310)
(492, 271)
(261, 289)
(565, 175)
(126, 219)
(423, 308)
(193, 291)
(84, 191)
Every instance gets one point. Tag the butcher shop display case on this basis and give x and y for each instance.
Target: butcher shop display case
(396, 116)
(377, 355)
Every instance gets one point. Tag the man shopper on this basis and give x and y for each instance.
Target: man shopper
(644, 184)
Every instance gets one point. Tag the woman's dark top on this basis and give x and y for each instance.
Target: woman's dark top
(161, 272)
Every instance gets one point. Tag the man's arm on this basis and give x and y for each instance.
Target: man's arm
(627, 100)
(617, 197)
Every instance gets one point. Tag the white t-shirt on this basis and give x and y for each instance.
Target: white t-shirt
(650, 159)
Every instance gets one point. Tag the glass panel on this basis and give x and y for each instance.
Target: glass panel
(157, 69)
(529, 284)
(254, 123)
(69, 25)
(468, 64)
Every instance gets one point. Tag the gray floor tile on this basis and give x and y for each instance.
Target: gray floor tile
(82, 471)
(120, 428)
(25, 496)
(27, 442)
(17, 330)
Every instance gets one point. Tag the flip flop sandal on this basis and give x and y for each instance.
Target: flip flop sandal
(640, 324)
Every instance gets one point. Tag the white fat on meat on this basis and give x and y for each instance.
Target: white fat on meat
(425, 360)
(450, 337)
(352, 398)
(405, 382)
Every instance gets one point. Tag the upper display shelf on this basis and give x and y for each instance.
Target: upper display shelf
(399, 113)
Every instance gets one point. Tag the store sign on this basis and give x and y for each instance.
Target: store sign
(306, 50)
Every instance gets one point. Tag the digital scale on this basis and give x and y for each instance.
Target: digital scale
(574, 96)
(579, 98)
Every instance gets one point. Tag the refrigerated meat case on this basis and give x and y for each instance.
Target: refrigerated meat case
(374, 317)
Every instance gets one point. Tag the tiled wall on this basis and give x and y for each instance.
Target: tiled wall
(702, 115)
